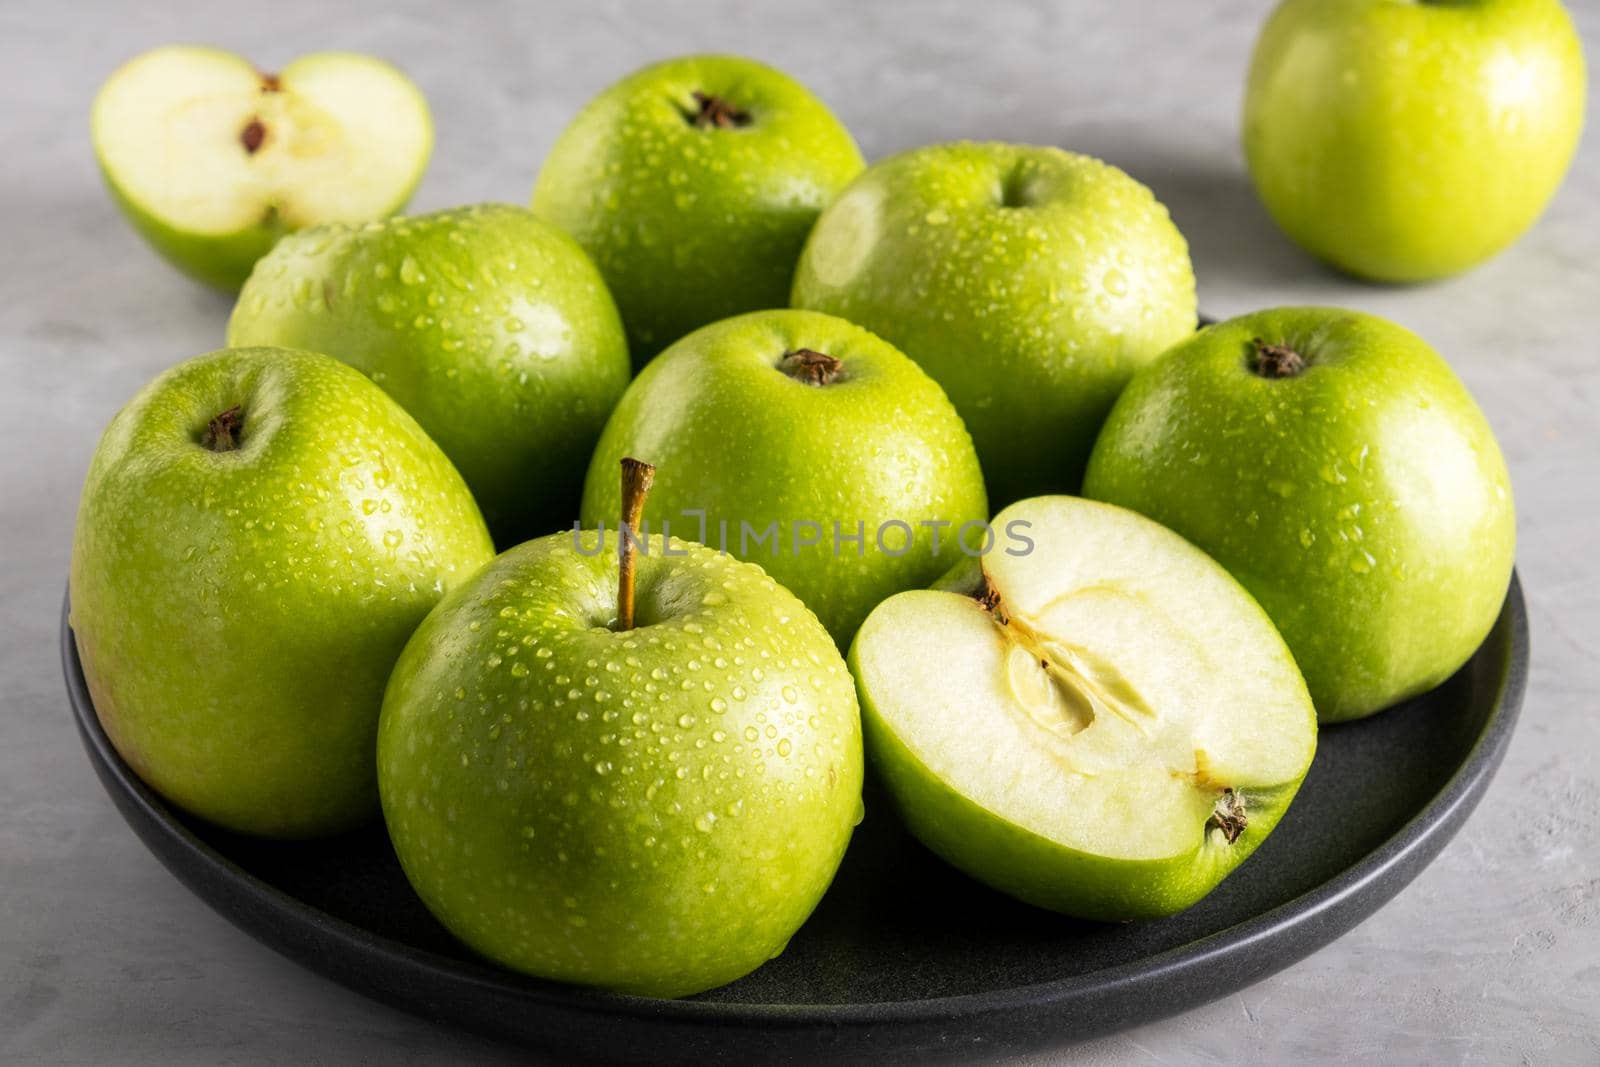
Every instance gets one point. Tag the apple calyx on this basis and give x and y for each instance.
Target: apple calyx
(811, 367)
(1078, 685)
(637, 477)
(1275, 361)
(1228, 816)
(222, 431)
(715, 111)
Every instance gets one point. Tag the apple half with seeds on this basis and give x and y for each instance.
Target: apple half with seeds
(1105, 725)
(212, 160)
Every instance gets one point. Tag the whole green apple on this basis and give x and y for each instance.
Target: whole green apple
(805, 444)
(648, 800)
(491, 328)
(212, 160)
(260, 532)
(693, 184)
(1097, 719)
(1403, 142)
(1029, 282)
(1339, 469)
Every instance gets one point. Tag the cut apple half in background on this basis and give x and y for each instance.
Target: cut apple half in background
(1105, 726)
(213, 160)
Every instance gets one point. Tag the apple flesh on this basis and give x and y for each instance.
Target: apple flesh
(653, 810)
(491, 328)
(693, 183)
(1403, 142)
(1339, 469)
(212, 160)
(1029, 282)
(772, 427)
(260, 531)
(1105, 726)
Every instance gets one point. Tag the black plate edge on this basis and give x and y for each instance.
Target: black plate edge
(1176, 980)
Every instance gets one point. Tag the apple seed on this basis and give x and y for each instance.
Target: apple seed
(252, 135)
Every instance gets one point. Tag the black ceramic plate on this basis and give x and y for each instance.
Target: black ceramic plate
(906, 959)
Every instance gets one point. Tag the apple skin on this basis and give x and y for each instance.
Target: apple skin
(691, 224)
(221, 261)
(1364, 502)
(237, 613)
(224, 260)
(1403, 142)
(1029, 282)
(491, 328)
(734, 436)
(995, 846)
(653, 811)
(1029, 866)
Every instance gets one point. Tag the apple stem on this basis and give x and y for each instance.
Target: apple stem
(222, 432)
(715, 111)
(988, 598)
(811, 367)
(1276, 360)
(637, 477)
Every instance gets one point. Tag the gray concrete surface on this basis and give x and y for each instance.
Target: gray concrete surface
(1492, 955)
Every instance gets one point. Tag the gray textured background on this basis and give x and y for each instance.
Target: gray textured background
(1492, 955)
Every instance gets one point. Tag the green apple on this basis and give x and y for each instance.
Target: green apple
(1029, 282)
(260, 532)
(648, 796)
(693, 184)
(1403, 142)
(805, 444)
(491, 328)
(1339, 469)
(1096, 720)
(212, 160)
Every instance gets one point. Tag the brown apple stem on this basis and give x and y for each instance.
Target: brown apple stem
(811, 367)
(222, 432)
(988, 598)
(1276, 360)
(637, 477)
(715, 111)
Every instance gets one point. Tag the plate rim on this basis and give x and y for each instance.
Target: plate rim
(1347, 898)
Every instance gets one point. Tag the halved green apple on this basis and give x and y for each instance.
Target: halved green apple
(212, 160)
(1105, 724)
